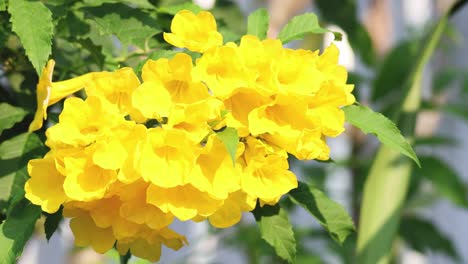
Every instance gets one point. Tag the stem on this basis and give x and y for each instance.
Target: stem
(387, 184)
(125, 258)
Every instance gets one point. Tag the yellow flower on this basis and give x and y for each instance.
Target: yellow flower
(116, 87)
(240, 104)
(230, 212)
(167, 157)
(195, 32)
(285, 123)
(257, 58)
(131, 157)
(183, 201)
(214, 172)
(266, 173)
(152, 100)
(135, 209)
(84, 180)
(196, 118)
(325, 106)
(45, 187)
(145, 242)
(86, 233)
(49, 93)
(176, 75)
(295, 72)
(149, 247)
(223, 71)
(82, 121)
(133, 142)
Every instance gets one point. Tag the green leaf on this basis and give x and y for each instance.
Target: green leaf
(52, 222)
(230, 139)
(229, 35)
(423, 236)
(395, 67)
(257, 23)
(10, 115)
(444, 179)
(444, 79)
(94, 50)
(387, 183)
(3, 5)
(331, 215)
(135, 3)
(369, 121)
(72, 27)
(276, 230)
(299, 26)
(131, 26)
(173, 9)
(32, 22)
(14, 155)
(434, 141)
(16, 230)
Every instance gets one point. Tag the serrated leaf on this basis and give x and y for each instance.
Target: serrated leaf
(173, 9)
(10, 115)
(257, 23)
(32, 22)
(444, 179)
(331, 215)
(423, 236)
(299, 26)
(276, 230)
(131, 26)
(52, 222)
(16, 230)
(386, 131)
(230, 139)
(14, 155)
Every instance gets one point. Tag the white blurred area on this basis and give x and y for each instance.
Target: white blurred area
(404, 17)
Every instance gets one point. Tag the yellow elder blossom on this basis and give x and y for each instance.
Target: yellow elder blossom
(133, 156)
(194, 32)
(49, 93)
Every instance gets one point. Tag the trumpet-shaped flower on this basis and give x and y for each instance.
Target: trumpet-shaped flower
(266, 175)
(49, 93)
(230, 212)
(167, 157)
(214, 172)
(183, 201)
(195, 32)
(45, 187)
(133, 156)
(176, 75)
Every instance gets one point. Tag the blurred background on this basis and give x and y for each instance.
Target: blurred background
(380, 41)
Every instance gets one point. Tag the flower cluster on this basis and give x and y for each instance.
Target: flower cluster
(134, 155)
